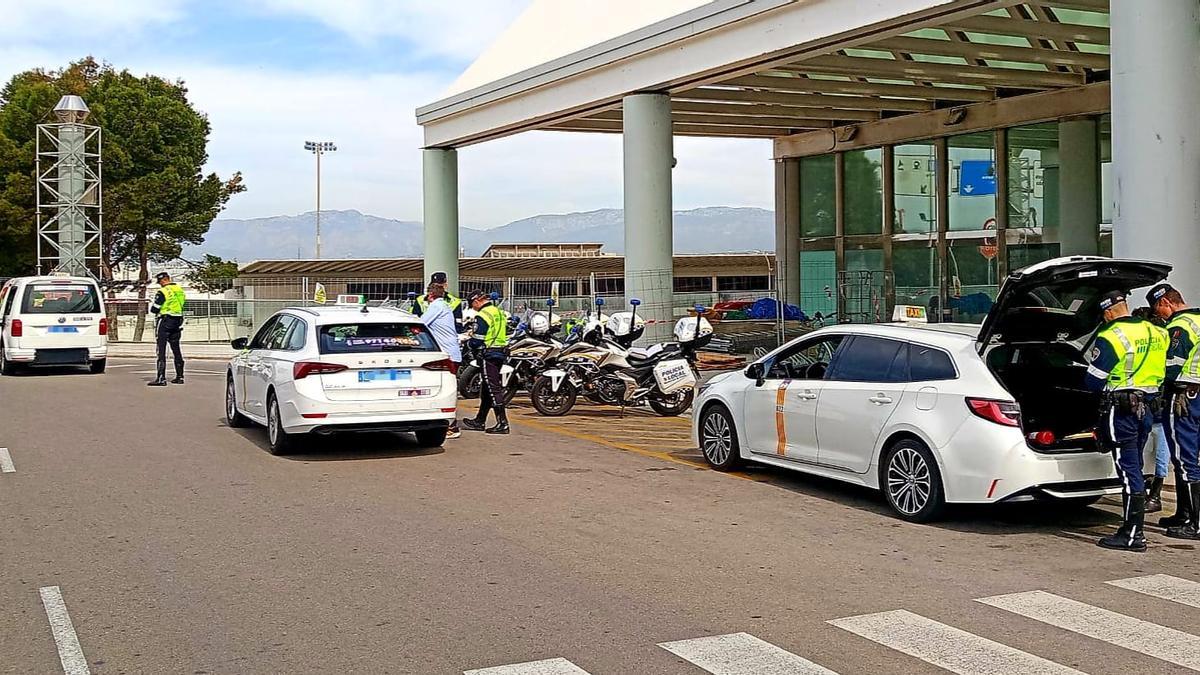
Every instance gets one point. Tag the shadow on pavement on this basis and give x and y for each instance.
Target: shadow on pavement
(343, 447)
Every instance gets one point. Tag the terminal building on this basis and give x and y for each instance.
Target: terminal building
(923, 149)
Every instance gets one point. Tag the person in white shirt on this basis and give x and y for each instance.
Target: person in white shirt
(439, 317)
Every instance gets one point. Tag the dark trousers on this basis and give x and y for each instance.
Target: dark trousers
(1126, 435)
(1183, 436)
(167, 331)
(490, 389)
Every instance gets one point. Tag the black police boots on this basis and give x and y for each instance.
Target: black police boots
(1130, 536)
(160, 382)
(1183, 505)
(1190, 529)
(472, 424)
(501, 422)
(178, 380)
(1154, 495)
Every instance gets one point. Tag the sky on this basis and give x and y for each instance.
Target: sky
(271, 74)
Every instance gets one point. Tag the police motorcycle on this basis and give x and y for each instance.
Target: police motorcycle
(470, 374)
(604, 367)
(532, 349)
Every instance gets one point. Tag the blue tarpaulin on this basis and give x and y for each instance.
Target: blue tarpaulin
(766, 308)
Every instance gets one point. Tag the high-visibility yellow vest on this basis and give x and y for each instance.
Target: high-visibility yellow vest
(1189, 322)
(497, 332)
(423, 302)
(1142, 348)
(173, 300)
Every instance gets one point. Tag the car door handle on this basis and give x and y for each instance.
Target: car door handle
(806, 396)
(880, 399)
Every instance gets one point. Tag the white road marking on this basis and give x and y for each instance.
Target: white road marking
(1163, 586)
(742, 654)
(1161, 642)
(123, 365)
(945, 646)
(547, 667)
(6, 464)
(69, 651)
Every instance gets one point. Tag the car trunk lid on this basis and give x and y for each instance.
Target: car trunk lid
(382, 360)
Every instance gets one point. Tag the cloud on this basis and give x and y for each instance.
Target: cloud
(26, 20)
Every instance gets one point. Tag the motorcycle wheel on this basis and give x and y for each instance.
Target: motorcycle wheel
(470, 379)
(552, 403)
(674, 405)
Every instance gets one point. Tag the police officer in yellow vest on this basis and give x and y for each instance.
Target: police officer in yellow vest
(1128, 363)
(1182, 404)
(491, 334)
(423, 301)
(168, 326)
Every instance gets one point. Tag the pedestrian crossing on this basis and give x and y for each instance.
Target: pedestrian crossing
(947, 647)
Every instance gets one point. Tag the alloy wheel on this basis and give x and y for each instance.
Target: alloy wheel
(273, 423)
(716, 438)
(909, 482)
(230, 401)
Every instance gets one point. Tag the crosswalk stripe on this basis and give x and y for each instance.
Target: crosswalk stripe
(1161, 642)
(1163, 586)
(546, 667)
(946, 646)
(742, 654)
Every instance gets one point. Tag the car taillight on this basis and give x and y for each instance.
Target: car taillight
(443, 364)
(1043, 438)
(1005, 413)
(18, 328)
(305, 368)
(104, 326)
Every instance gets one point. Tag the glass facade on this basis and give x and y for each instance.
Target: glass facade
(964, 211)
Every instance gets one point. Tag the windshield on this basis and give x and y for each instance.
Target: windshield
(51, 298)
(367, 338)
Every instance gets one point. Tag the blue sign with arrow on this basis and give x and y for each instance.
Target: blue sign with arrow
(977, 177)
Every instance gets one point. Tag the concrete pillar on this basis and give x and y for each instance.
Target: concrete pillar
(649, 157)
(440, 176)
(1156, 138)
(787, 229)
(1071, 216)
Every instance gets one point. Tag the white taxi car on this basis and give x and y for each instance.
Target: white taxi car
(318, 370)
(52, 321)
(936, 413)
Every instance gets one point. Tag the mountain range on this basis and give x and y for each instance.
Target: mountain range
(351, 234)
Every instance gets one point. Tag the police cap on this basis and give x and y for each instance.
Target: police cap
(1111, 298)
(475, 295)
(1158, 293)
(161, 275)
(437, 278)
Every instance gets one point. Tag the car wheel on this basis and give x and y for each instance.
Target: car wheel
(431, 438)
(279, 440)
(552, 403)
(98, 366)
(675, 404)
(233, 418)
(911, 482)
(6, 367)
(718, 439)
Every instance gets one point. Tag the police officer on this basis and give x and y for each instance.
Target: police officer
(422, 302)
(168, 326)
(1182, 406)
(492, 325)
(1128, 363)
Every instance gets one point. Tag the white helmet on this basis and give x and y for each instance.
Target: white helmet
(539, 323)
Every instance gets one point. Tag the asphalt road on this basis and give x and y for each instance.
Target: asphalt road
(178, 545)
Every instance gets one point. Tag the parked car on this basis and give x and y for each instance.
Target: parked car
(52, 321)
(936, 413)
(319, 370)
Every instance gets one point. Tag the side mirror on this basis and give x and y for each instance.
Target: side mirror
(757, 372)
(240, 344)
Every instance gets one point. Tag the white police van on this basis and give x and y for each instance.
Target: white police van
(52, 321)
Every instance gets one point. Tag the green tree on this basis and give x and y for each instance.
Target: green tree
(213, 274)
(156, 196)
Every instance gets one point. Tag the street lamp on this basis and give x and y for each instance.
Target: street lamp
(319, 148)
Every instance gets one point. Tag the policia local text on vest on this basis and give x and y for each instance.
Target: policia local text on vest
(168, 327)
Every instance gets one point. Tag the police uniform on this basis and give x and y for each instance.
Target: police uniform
(492, 324)
(1128, 363)
(1182, 406)
(168, 327)
(422, 302)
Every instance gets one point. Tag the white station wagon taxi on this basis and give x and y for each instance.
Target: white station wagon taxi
(319, 370)
(52, 321)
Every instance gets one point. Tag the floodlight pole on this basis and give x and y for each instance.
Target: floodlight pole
(319, 148)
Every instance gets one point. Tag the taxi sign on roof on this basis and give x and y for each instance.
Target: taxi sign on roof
(351, 299)
(910, 314)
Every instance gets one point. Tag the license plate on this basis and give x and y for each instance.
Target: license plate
(63, 329)
(384, 375)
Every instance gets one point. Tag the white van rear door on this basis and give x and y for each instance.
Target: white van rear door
(61, 314)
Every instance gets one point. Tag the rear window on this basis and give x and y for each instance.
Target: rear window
(366, 338)
(53, 298)
(927, 364)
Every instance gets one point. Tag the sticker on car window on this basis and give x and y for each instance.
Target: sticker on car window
(398, 341)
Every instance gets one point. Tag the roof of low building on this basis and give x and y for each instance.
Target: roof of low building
(477, 267)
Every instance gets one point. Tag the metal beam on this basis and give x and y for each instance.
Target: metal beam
(1091, 99)
(731, 120)
(612, 126)
(1100, 6)
(803, 84)
(773, 111)
(976, 50)
(998, 25)
(802, 100)
(939, 72)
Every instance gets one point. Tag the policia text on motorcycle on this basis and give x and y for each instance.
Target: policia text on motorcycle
(1128, 363)
(168, 326)
(1181, 406)
(491, 334)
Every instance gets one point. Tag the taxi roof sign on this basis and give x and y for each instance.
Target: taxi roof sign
(351, 299)
(910, 314)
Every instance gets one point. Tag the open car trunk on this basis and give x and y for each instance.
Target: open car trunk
(1035, 337)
